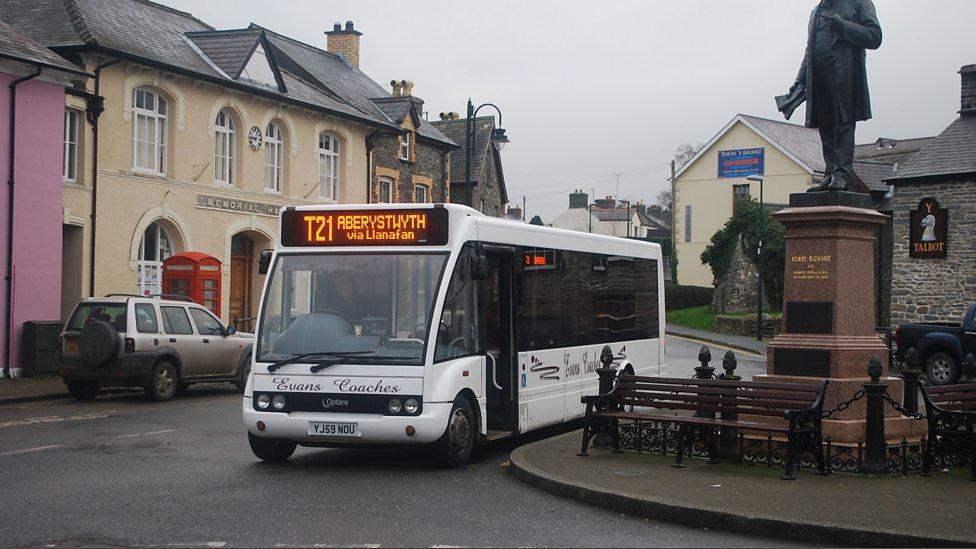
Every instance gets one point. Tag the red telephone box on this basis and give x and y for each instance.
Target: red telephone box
(195, 275)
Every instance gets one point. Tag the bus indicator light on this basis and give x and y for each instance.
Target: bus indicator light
(423, 227)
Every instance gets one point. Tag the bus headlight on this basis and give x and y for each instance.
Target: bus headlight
(395, 406)
(411, 406)
(278, 402)
(263, 402)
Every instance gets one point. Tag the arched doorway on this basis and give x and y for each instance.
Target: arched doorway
(245, 281)
(156, 245)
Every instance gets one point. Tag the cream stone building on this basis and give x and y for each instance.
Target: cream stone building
(790, 158)
(202, 136)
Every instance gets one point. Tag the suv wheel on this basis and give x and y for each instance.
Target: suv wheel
(163, 382)
(941, 369)
(83, 390)
(245, 371)
(272, 450)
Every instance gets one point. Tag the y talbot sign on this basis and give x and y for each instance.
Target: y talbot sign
(929, 231)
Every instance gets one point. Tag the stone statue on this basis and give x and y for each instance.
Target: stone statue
(833, 82)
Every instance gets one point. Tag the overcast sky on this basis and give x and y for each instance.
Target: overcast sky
(588, 89)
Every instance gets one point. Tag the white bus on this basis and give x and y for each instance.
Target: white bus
(435, 324)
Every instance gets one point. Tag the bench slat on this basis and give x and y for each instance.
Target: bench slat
(801, 387)
(964, 388)
(729, 401)
(702, 407)
(744, 393)
(746, 425)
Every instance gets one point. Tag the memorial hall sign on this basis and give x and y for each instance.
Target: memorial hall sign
(210, 202)
(929, 231)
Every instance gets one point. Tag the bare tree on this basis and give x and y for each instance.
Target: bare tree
(685, 153)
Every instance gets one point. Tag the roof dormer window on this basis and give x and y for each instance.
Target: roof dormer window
(258, 69)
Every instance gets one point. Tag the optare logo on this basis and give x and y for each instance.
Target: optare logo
(329, 403)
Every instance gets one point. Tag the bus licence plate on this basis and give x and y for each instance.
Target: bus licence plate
(321, 429)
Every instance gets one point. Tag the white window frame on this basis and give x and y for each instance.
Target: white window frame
(329, 148)
(155, 120)
(405, 147)
(274, 158)
(224, 144)
(150, 271)
(69, 151)
(417, 191)
(379, 195)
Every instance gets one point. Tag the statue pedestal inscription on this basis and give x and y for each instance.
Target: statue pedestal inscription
(829, 307)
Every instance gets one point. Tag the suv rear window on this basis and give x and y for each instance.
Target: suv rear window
(113, 313)
(146, 322)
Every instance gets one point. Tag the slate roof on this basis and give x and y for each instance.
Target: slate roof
(397, 109)
(230, 49)
(615, 214)
(660, 219)
(802, 142)
(155, 34)
(953, 152)
(16, 46)
(873, 174)
(455, 131)
(891, 151)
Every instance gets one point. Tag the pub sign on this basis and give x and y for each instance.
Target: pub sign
(928, 234)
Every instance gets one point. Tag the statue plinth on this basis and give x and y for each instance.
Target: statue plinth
(829, 307)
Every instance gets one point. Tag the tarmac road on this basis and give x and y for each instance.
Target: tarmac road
(123, 471)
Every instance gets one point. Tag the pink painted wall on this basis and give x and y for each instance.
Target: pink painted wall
(37, 202)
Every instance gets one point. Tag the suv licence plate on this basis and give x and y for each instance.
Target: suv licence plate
(322, 429)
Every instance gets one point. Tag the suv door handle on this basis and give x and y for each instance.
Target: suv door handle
(172, 340)
(205, 340)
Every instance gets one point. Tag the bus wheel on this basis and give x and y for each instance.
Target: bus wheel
(457, 444)
(271, 449)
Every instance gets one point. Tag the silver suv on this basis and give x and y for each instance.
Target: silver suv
(158, 344)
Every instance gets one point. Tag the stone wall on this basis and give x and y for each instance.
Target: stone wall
(488, 189)
(737, 292)
(935, 290)
(428, 167)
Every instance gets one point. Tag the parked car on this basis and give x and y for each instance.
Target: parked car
(943, 349)
(160, 345)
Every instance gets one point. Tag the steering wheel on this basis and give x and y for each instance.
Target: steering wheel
(339, 314)
(459, 339)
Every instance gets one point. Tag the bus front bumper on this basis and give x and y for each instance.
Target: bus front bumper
(371, 428)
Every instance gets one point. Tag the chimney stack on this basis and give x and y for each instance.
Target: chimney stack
(968, 73)
(345, 43)
(607, 203)
(397, 88)
(579, 200)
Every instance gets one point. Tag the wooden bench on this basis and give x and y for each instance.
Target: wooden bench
(800, 404)
(951, 414)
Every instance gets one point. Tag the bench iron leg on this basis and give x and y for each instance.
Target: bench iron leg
(679, 458)
(819, 454)
(790, 459)
(587, 435)
(616, 437)
(711, 441)
(929, 454)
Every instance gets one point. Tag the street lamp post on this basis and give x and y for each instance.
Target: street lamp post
(498, 136)
(759, 293)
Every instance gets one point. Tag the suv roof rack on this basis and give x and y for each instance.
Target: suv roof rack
(171, 297)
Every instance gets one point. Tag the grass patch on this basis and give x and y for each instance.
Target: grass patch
(699, 318)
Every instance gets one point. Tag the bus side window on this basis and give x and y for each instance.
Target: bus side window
(459, 330)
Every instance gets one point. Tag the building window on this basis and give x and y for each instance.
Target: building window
(405, 147)
(328, 167)
(149, 132)
(224, 148)
(273, 158)
(688, 223)
(69, 163)
(386, 191)
(739, 192)
(421, 194)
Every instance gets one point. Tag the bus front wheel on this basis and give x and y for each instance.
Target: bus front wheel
(457, 444)
(270, 449)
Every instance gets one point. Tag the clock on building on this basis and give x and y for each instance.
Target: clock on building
(254, 137)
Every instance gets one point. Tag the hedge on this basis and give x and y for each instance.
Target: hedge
(684, 297)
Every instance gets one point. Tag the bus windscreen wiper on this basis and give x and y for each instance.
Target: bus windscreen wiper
(296, 358)
(335, 358)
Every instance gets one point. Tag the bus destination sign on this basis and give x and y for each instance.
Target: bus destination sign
(404, 227)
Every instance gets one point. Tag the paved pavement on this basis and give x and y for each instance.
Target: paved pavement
(840, 509)
(123, 471)
(31, 388)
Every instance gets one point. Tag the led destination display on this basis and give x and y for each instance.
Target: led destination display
(413, 227)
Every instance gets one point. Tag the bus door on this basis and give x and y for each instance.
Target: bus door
(498, 297)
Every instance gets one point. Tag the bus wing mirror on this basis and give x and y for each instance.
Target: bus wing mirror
(264, 262)
(479, 267)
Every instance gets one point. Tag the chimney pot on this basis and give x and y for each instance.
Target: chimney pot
(349, 26)
(344, 43)
(337, 27)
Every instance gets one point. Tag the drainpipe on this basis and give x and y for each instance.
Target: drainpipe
(8, 305)
(94, 109)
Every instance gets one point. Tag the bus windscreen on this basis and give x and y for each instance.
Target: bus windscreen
(394, 227)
